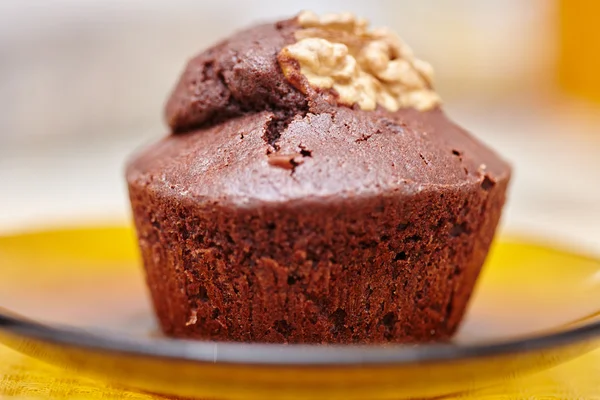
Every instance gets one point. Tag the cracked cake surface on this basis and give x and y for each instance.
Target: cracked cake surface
(279, 209)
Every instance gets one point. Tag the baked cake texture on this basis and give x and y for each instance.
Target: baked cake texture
(312, 190)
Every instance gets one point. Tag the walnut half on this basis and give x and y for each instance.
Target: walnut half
(365, 67)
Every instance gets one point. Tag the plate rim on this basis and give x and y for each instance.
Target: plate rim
(285, 355)
(294, 355)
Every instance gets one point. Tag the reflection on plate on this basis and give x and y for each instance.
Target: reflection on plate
(86, 307)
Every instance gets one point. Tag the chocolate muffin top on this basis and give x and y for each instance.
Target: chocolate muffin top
(311, 107)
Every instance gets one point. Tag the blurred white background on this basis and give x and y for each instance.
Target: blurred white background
(82, 84)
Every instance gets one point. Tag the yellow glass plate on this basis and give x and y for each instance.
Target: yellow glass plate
(83, 294)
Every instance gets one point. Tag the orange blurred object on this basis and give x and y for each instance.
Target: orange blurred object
(579, 48)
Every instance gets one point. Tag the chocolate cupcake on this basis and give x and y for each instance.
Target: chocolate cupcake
(313, 191)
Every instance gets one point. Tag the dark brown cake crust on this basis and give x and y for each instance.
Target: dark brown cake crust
(287, 218)
(236, 77)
